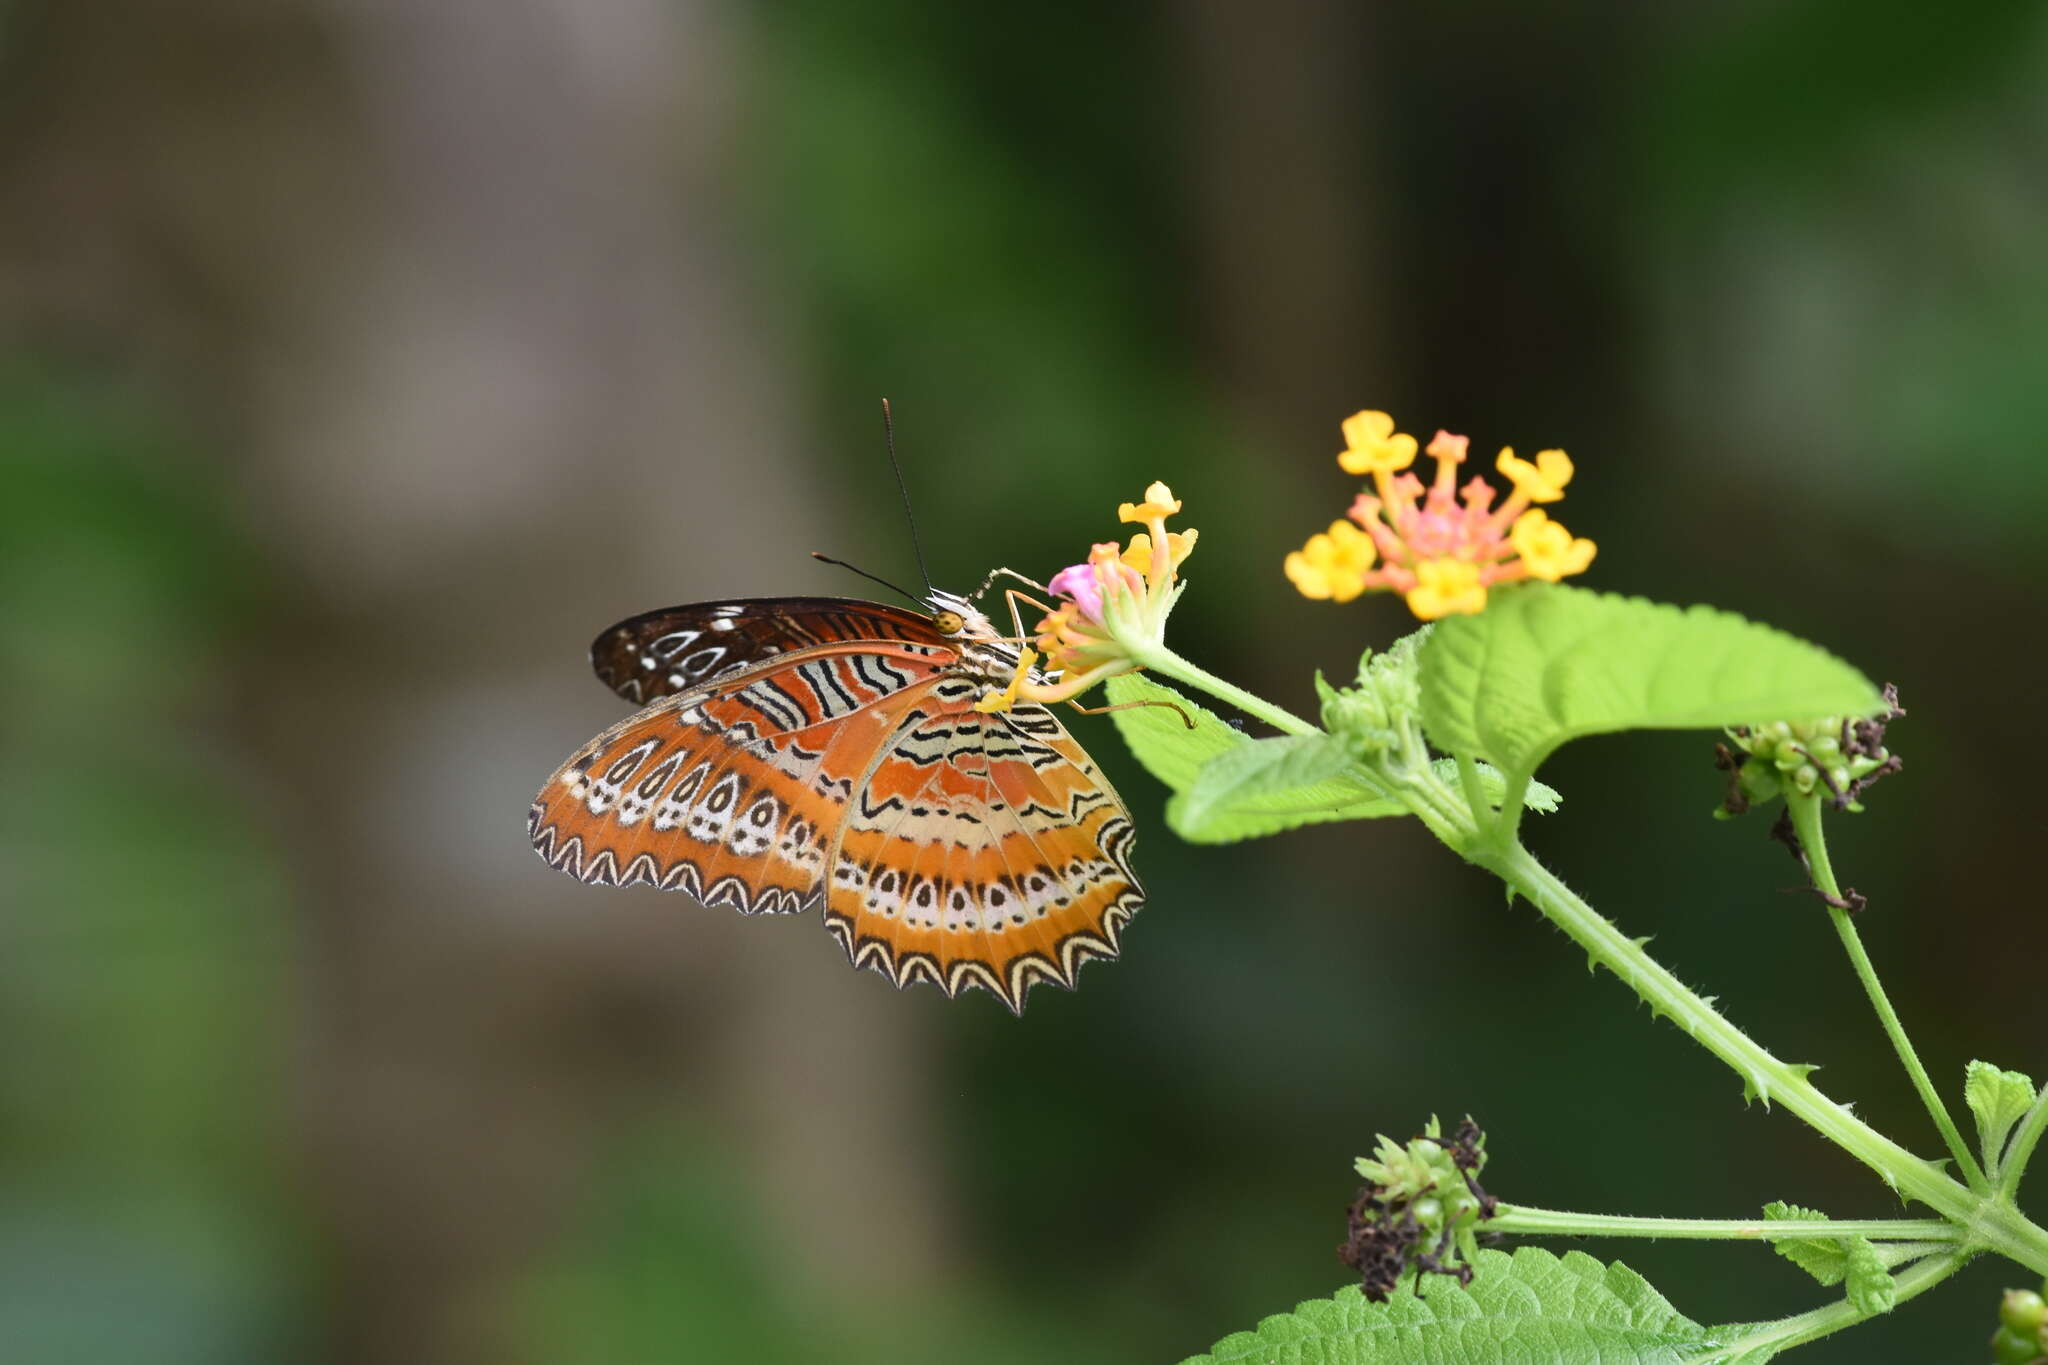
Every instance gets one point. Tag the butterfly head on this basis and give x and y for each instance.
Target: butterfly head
(956, 617)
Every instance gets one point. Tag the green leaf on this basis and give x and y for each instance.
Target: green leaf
(1826, 1259)
(1160, 738)
(1229, 786)
(1871, 1286)
(1263, 786)
(1539, 797)
(1546, 663)
(1999, 1099)
(1832, 1260)
(1264, 767)
(1529, 1307)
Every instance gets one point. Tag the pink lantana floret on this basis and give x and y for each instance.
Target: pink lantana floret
(1078, 584)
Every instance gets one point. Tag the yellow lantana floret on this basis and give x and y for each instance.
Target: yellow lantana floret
(1542, 481)
(1159, 502)
(1179, 545)
(1446, 587)
(1374, 446)
(1547, 548)
(1005, 699)
(1333, 564)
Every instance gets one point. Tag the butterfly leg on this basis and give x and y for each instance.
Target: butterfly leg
(1186, 719)
(1012, 597)
(994, 574)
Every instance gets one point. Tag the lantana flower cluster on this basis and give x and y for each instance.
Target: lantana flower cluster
(1106, 610)
(1442, 547)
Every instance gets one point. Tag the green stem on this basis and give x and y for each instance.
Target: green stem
(1447, 812)
(1895, 1254)
(1164, 660)
(1806, 822)
(1811, 1326)
(1993, 1225)
(1513, 806)
(1985, 1223)
(1475, 796)
(2021, 1149)
(1523, 1221)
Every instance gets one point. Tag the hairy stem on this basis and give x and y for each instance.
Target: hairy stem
(1521, 1220)
(2021, 1149)
(1475, 795)
(1819, 1322)
(1163, 660)
(1806, 821)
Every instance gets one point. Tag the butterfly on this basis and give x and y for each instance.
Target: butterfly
(792, 751)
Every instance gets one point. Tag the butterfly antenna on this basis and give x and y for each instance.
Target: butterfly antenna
(828, 559)
(889, 436)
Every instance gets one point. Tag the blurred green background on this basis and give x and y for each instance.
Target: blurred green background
(363, 361)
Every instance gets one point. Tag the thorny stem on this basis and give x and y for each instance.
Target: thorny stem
(1983, 1223)
(1996, 1227)
(1806, 822)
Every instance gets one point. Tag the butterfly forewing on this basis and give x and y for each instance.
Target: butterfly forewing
(732, 792)
(964, 849)
(661, 653)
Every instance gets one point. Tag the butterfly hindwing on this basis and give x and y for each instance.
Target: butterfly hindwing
(986, 851)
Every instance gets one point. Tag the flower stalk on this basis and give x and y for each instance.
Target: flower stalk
(1526, 1221)
(1805, 813)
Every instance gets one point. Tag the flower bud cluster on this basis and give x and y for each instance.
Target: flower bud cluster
(1375, 715)
(2022, 1335)
(1420, 1209)
(1844, 757)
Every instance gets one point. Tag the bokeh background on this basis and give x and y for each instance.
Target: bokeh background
(362, 360)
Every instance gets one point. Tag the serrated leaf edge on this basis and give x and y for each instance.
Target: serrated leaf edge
(1650, 1319)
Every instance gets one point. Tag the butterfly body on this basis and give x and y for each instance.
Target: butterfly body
(798, 751)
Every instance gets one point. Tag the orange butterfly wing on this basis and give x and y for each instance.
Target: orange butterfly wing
(732, 792)
(985, 850)
(967, 849)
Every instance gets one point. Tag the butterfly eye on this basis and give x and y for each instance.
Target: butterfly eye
(949, 623)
